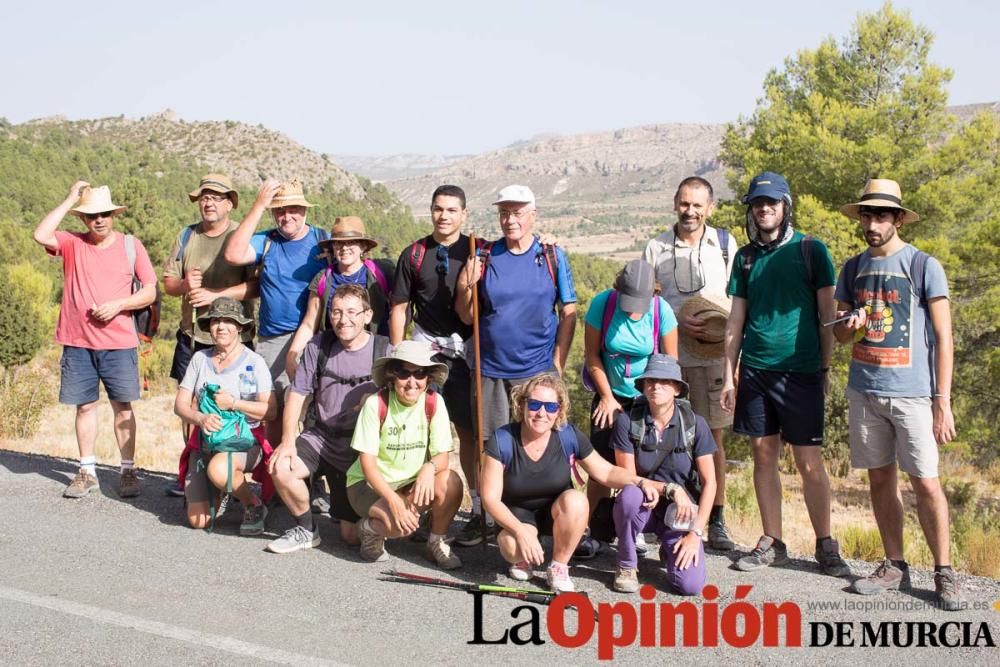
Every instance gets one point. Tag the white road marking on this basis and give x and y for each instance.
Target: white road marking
(208, 640)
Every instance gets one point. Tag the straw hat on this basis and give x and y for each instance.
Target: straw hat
(882, 192)
(96, 200)
(290, 194)
(216, 183)
(712, 344)
(347, 228)
(418, 353)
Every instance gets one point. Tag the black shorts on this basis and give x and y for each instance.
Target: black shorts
(541, 518)
(600, 438)
(183, 351)
(340, 507)
(456, 391)
(772, 402)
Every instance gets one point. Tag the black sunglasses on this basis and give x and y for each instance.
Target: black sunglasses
(407, 373)
(442, 260)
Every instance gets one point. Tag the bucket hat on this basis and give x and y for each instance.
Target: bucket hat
(228, 308)
(96, 200)
(712, 343)
(418, 353)
(881, 192)
(216, 183)
(663, 367)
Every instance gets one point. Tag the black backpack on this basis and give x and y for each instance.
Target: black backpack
(688, 424)
(147, 319)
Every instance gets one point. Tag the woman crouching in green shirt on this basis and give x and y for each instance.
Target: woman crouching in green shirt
(403, 437)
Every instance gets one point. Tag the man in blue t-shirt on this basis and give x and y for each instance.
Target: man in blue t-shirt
(288, 257)
(899, 387)
(522, 285)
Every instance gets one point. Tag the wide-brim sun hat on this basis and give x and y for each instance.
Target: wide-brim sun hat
(225, 308)
(712, 343)
(880, 192)
(347, 228)
(418, 353)
(663, 367)
(219, 183)
(290, 194)
(96, 200)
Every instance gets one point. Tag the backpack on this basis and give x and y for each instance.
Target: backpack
(567, 441)
(806, 247)
(328, 338)
(688, 425)
(609, 312)
(724, 245)
(548, 252)
(234, 436)
(325, 298)
(918, 277)
(430, 406)
(147, 319)
(185, 237)
(272, 236)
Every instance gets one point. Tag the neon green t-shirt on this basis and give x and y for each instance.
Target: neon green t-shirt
(405, 442)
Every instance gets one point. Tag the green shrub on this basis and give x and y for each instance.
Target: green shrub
(24, 393)
(22, 328)
(861, 543)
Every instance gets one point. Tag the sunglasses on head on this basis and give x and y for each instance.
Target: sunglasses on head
(534, 405)
(407, 373)
(442, 260)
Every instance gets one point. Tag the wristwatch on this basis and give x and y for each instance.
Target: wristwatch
(699, 532)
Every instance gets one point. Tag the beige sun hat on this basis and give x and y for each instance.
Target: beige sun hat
(880, 192)
(290, 194)
(96, 200)
(216, 183)
(712, 344)
(347, 228)
(418, 353)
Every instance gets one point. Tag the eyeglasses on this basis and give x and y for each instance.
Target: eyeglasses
(89, 217)
(696, 276)
(214, 199)
(516, 215)
(552, 407)
(349, 314)
(407, 373)
(442, 260)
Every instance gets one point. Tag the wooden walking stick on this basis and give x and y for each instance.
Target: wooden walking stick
(478, 374)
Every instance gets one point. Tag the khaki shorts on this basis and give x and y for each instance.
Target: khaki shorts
(705, 390)
(362, 496)
(889, 429)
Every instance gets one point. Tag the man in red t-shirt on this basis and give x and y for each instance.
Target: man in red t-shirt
(95, 325)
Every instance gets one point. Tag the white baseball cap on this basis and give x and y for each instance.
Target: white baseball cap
(520, 194)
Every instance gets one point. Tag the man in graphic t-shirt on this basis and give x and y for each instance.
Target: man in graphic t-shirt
(895, 299)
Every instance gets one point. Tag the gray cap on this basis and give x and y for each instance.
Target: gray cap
(664, 367)
(635, 285)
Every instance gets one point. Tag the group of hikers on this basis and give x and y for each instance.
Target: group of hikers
(697, 336)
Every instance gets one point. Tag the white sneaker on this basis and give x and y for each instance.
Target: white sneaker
(558, 577)
(520, 571)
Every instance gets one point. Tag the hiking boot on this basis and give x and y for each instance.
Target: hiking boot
(768, 551)
(472, 533)
(81, 485)
(626, 579)
(828, 557)
(718, 537)
(174, 489)
(253, 519)
(948, 594)
(886, 577)
(587, 549)
(520, 571)
(558, 577)
(372, 544)
(439, 552)
(128, 484)
(294, 539)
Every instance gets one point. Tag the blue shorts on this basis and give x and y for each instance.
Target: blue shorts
(772, 402)
(82, 370)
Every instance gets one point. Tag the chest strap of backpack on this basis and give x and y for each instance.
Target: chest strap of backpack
(567, 442)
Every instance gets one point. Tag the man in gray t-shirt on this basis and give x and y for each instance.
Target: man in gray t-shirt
(335, 370)
(894, 301)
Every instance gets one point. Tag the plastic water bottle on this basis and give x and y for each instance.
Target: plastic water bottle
(248, 388)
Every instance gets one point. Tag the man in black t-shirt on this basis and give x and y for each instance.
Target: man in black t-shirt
(425, 279)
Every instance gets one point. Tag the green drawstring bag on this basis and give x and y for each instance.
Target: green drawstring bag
(234, 436)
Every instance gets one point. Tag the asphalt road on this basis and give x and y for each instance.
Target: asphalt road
(106, 581)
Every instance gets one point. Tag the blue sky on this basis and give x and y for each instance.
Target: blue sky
(377, 78)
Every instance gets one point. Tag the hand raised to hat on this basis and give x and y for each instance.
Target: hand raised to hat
(692, 326)
(76, 191)
(268, 189)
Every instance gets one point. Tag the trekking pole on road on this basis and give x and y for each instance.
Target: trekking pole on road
(478, 374)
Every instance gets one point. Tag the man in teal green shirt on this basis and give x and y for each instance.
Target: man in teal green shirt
(782, 285)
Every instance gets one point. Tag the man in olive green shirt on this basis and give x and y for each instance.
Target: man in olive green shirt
(197, 272)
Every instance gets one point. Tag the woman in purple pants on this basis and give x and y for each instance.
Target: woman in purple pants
(662, 440)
